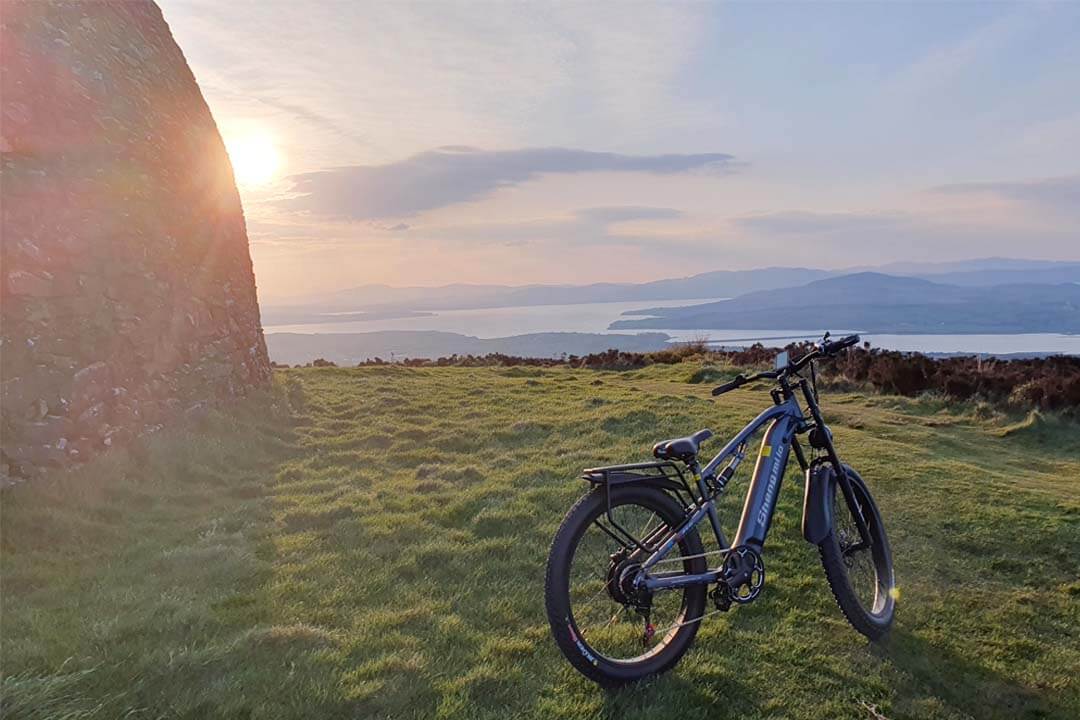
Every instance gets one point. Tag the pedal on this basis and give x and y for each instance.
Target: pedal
(721, 596)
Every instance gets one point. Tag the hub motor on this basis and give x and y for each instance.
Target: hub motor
(622, 572)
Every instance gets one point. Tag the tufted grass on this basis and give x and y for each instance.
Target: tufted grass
(370, 543)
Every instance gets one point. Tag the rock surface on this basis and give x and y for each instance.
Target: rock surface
(128, 296)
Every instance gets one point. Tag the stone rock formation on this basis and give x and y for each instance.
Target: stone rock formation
(128, 296)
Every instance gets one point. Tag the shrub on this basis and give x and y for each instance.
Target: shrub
(1051, 383)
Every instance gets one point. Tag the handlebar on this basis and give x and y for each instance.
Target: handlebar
(835, 346)
(741, 380)
(826, 347)
(735, 384)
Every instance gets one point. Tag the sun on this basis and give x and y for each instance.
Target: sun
(255, 158)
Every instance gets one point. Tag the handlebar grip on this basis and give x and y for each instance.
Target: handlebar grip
(738, 382)
(836, 346)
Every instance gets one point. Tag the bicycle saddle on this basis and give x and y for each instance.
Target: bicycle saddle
(684, 449)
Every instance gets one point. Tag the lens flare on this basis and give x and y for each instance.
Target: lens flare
(255, 159)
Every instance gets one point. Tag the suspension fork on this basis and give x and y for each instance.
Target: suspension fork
(841, 475)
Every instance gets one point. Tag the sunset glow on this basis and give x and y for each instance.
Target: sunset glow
(638, 137)
(255, 159)
(357, 359)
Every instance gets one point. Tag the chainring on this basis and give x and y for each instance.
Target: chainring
(744, 575)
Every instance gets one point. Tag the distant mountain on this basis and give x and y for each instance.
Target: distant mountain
(955, 266)
(351, 348)
(382, 301)
(1054, 275)
(875, 302)
(379, 297)
(301, 316)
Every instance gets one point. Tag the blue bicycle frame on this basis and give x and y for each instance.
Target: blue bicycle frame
(783, 419)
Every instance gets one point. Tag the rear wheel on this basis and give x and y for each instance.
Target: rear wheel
(860, 574)
(608, 630)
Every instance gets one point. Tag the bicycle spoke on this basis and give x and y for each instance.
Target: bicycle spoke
(661, 632)
(598, 594)
(615, 629)
(645, 526)
(611, 621)
(857, 554)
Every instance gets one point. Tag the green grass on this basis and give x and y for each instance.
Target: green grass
(371, 543)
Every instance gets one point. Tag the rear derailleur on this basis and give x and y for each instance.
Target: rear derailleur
(621, 586)
(741, 580)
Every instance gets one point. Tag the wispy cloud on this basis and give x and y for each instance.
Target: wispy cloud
(615, 225)
(1060, 193)
(315, 119)
(803, 222)
(943, 65)
(455, 174)
(625, 213)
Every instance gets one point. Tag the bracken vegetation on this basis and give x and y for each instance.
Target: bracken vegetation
(1051, 383)
(370, 543)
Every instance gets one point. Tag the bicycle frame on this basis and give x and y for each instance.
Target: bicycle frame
(784, 419)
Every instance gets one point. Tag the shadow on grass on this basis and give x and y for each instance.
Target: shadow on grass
(140, 580)
(962, 683)
(713, 694)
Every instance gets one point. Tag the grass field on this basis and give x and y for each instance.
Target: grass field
(370, 543)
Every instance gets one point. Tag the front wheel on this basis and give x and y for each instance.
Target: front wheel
(611, 632)
(860, 574)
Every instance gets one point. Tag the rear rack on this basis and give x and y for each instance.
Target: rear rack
(613, 475)
(634, 472)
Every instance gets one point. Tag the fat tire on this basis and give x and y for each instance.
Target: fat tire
(873, 626)
(605, 671)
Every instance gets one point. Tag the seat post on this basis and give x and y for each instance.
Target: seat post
(702, 488)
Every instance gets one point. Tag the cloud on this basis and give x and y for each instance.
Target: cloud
(396, 227)
(577, 229)
(626, 213)
(798, 222)
(317, 119)
(1059, 193)
(455, 174)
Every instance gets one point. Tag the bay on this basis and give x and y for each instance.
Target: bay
(595, 318)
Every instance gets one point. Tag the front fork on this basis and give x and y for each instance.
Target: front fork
(842, 478)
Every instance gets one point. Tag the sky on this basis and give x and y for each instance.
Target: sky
(510, 143)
